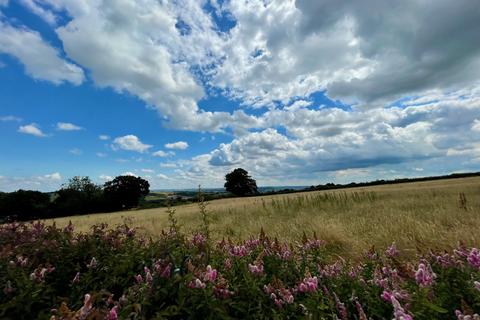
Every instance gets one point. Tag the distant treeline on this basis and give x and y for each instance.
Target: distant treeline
(78, 196)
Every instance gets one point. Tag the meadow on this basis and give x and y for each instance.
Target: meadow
(403, 252)
(416, 216)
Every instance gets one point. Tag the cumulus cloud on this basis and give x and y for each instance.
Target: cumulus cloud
(65, 126)
(32, 129)
(41, 60)
(131, 143)
(179, 145)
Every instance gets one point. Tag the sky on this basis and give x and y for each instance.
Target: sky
(182, 92)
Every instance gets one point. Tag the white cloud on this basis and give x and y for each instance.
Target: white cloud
(129, 173)
(179, 145)
(10, 118)
(476, 125)
(35, 7)
(32, 129)
(56, 176)
(168, 165)
(103, 137)
(47, 182)
(101, 154)
(41, 60)
(147, 170)
(104, 177)
(130, 143)
(65, 126)
(75, 151)
(163, 154)
(3, 3)
(163, 176)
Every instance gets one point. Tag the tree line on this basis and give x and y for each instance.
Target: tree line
(79, 196)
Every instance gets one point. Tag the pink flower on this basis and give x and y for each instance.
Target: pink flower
(210, 274)
(399, 312)
(361, 313)
(341, 309)
(112, 315)
(387, 296)
(199, 240)
(138, 278)
(474, 258)
(87, 306)
(256, 269)
(197, 284)
(238, 251)
(424, 275)
(392, 251)
(309, 284)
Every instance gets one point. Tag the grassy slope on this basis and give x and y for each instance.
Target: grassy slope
(420, 215)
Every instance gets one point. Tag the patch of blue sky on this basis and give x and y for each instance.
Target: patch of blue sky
(223, 19)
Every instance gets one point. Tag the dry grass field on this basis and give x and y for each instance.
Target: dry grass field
(416, 216)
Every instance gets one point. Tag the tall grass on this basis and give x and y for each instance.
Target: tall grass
(416, 216)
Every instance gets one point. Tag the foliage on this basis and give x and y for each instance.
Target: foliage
(240, 183)
(116, 274)
(79, 196)
(17, 203)
(125, 192)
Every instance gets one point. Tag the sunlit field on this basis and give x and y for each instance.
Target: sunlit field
(416, 216)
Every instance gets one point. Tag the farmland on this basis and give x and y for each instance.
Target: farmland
(416, 216)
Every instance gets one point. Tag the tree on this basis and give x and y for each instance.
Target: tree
(125, 192)
(80, 195)
(240, 183)
(24, 204)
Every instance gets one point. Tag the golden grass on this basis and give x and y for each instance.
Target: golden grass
(417, 216)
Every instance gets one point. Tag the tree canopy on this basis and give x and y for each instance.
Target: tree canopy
(125, 192)
(240, 183)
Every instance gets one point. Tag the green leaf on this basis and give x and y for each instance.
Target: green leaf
(436, 308)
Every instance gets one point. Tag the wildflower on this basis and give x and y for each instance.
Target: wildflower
(309, 284)
(227, 264)
(387, 296)
(461, 316)
(392, 251)
(112, 315)
(474, 258)
(86, 308)
(256, 269)
(210, 274)
(476, 284)
(148, 275)
(398, 311)
(138, 278)
(76, 279)
(93, 263)
(238, 251)
(361, 313)
(424, 275)
(221, 289)
(197, 284)
(341, 309)
(199, 240)
(69, 228)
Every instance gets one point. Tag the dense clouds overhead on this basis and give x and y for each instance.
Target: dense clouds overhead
(309, 88)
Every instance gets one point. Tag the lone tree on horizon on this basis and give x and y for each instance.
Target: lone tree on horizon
(125, 192)
(240, 183)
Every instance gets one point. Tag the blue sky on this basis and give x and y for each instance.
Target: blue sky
(181, 93)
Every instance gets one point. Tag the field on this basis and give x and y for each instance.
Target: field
(416, 216)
